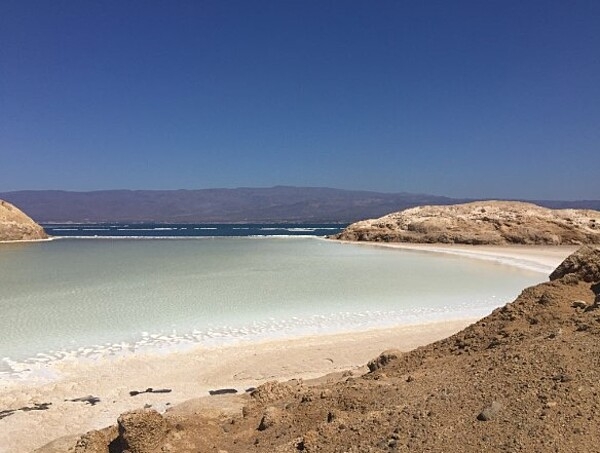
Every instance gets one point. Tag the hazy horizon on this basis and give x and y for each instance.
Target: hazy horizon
(468, 198)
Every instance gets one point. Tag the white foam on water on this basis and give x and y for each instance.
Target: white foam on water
(42, 367)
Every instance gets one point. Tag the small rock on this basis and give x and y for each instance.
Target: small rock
(562, 377)
(269, 418)
(494, 343)
(222, 392)
(271, 391)
(141, 431)
(307, 397)
(555, 334)
(579, 304)
(489, 412)
(383, 359)
(89, 399)
(326, 394)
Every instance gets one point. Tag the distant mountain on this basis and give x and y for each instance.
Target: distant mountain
(275, 204)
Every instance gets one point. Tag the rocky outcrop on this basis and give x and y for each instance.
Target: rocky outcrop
(525, 378)
(481, 222)
(584, 265)
(15, 225)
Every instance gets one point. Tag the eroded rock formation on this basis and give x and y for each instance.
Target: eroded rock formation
(15, 225)
(481, 222)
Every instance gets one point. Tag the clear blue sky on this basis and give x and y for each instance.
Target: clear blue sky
(461, 98)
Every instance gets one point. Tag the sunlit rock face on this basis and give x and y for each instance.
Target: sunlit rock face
(15, 225)
(481, 222)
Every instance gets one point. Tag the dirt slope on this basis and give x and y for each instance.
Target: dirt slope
(525, 378)
(15, 225)
(481, 222)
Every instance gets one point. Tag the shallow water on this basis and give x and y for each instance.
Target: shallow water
(87, 297)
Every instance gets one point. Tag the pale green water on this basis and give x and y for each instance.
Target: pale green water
(85, 297)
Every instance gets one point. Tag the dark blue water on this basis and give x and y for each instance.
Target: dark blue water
(191, 230)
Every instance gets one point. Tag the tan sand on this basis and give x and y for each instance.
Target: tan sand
(191, 374)
(542, 258)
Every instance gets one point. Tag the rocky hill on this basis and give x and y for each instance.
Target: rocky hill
(525, 378)
(15, 225)
(481, 222)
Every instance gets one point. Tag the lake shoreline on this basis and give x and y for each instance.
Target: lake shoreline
(188, 375)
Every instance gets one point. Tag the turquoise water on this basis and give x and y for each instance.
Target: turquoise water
(87, 297)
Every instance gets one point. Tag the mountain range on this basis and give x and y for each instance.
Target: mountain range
(240, 205)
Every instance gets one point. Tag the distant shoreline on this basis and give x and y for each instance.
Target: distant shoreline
(28, 241)
(539, 258)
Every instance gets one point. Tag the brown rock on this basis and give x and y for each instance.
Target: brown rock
(489, 412)
(383, 359)
(96, 441)
(142, 431)
(583, 264)
(579, 304)
(271, 391)
(270, 417)
(15, 225)
(481, 222)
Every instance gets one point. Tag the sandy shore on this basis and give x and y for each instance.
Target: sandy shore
(191, 374)
(188, 375)
(538, 258)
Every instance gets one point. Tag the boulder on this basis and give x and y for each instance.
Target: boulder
(383, 359)
(142, 430)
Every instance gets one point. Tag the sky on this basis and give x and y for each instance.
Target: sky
(497, 99)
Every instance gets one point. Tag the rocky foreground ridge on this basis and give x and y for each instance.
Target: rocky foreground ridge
(524, 379)
(15, 225)
(481, 222)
